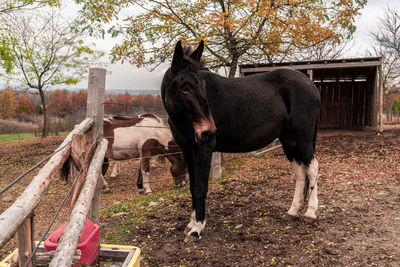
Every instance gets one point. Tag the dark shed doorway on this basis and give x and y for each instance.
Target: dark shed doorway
(351, 92)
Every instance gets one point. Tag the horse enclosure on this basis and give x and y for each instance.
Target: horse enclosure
(351, 90)
(85, 146)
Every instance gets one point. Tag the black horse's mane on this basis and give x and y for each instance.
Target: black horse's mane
(187, 51)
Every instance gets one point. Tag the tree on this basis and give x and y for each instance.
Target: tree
(79, 100)
(124, 103)
(325, 50)
(236, 31)
(45, 52)
(9, 6)
(8, 104)
(25, 106)
(60, 103)
(387, 45)
(13, 6)
(396, 105)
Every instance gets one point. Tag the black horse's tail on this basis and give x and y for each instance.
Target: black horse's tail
(315, 134)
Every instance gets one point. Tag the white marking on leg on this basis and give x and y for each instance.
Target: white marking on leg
(312, 174)
(115, 170)
(198, 227)
(192, 220)
(146, 182)
(298, 199)
(191, 223)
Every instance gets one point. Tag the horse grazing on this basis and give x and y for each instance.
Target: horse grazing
(142, 137)
(209, 113)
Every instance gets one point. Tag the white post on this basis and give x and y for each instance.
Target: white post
(95, 108)
(380, 90)
(310, 74)
(216, 165)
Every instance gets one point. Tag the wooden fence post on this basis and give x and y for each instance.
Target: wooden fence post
(70, 238)
(25, 241)
(310, 74)
(95, 108)
(216, 165)
(380, 101)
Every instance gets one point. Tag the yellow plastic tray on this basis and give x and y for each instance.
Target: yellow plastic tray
(134, 262)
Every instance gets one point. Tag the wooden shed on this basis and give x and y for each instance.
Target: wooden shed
(351, 91)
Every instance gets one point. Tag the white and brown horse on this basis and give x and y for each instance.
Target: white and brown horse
(142, 137)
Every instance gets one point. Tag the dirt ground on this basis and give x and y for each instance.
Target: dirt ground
(358, 219)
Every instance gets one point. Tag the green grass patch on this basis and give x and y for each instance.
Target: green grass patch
(24, 136)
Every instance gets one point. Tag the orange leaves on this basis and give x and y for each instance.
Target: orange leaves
(11, 106)
(63, 102)
(25, 105)
(8, 104)
(60, 102)
(244, 29)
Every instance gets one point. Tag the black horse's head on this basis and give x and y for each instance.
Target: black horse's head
(184, 93)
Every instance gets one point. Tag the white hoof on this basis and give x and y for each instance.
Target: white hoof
(293, 212)
(310, 215)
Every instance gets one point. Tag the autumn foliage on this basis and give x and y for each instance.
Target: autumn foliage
(236, 31)
(64, 103)
(12, 106)
(66, 108)
(126, 104)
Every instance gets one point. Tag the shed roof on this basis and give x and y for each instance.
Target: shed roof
(354, 68)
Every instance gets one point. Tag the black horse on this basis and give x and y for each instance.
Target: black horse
(209, 113)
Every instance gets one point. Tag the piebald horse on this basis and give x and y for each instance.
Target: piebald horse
(142, 137)
(208, 112)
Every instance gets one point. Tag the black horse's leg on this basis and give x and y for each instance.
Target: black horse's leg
(300, 152)
(312, 173)
(188, 156)
(202, 164)
(289, 146)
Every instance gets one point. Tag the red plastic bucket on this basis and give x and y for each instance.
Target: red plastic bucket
(88, 243)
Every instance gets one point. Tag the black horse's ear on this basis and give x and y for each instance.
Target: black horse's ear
(196, 55)
(178, 56)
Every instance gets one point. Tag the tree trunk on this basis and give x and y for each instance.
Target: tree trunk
(233, 67)
(44, 110)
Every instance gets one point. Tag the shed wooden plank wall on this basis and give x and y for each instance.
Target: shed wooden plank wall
(350, 89)
(344, 104)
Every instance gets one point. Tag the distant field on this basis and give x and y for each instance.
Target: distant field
(22, 136)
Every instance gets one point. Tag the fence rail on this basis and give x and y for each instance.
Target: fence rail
(18, 217)
(14, 216)
(69, 241)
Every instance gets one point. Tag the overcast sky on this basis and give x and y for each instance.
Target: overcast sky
(129, 77)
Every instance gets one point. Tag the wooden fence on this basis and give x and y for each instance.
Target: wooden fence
(78, 146)
(19, 219)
